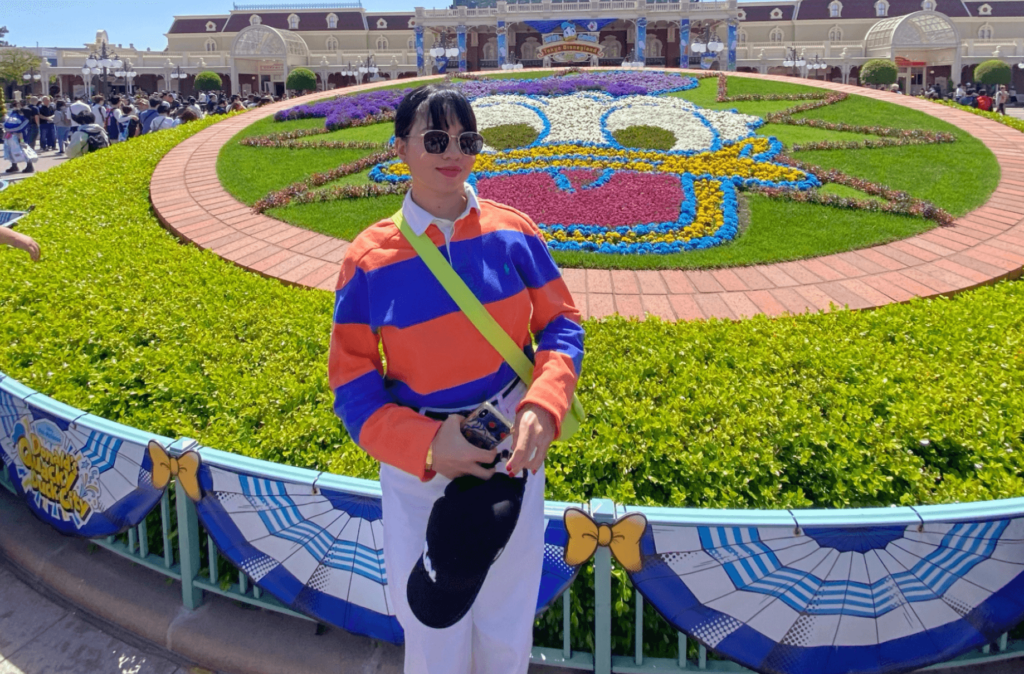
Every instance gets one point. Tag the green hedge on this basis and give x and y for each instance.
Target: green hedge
(993, 71)
(917, 403)
(208, 81)
(1011, 122)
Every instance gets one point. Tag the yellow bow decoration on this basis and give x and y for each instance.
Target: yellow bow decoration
(623, 537)
(185, 468)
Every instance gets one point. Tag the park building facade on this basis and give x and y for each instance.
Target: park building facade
(254, 47)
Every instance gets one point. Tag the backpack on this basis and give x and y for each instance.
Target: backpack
(111, 124)
(97, 141)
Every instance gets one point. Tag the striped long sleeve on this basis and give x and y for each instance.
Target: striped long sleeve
(388, 299)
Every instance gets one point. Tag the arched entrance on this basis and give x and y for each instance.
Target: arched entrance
(917, 42)
(265, 56)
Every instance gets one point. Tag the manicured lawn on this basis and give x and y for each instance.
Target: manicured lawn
(957, 177)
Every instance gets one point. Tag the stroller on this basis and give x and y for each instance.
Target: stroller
(10, 218)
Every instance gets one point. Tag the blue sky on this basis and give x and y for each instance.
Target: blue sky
(70, 23)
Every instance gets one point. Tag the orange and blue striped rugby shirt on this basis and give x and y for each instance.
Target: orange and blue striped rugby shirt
(435, 357)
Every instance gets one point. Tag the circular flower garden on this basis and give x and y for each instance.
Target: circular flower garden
(640, 169)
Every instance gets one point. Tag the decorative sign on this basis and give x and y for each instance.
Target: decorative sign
(87, 477)
(270, 68)
(570, 45)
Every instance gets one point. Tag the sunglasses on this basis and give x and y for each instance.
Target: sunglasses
(435, 141)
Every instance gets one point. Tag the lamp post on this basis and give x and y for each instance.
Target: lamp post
(442, 52)
(792, 61)
(512, 64)
(128, 74)
(348, 71)
(368, 67)
(710, 45)
(102, 63)
(817, 64)
(178, 75)
(31, 76)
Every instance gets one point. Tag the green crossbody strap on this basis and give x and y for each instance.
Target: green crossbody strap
(480, 317)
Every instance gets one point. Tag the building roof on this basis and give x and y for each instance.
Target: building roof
(395, 21)
(998, 8)
(763, 12)
(197, 24)
(865, 9)
(307, 20)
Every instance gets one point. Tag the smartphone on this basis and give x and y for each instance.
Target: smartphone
(486, 427)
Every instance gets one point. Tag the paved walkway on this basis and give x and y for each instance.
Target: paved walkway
(981, 247)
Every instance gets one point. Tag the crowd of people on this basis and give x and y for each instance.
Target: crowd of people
(71, 127)
(994, 100)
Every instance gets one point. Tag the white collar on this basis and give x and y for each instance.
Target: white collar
(419, 219)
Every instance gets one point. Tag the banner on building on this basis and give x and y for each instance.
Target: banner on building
(641, 40)
(419, 49)
(502, 43)
(461, 32)
(570, 46)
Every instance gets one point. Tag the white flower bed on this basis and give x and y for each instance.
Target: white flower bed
(591, 117)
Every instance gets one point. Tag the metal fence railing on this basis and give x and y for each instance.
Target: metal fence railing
(172, 539)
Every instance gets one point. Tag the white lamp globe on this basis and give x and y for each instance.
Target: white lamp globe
(91, 62)
(95, 71)
(26, 77)
(86, 71)
(118, 63)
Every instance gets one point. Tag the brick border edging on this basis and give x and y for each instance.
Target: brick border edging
(982, 247)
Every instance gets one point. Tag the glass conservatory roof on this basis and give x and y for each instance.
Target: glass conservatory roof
(920, 29)
(260, 40)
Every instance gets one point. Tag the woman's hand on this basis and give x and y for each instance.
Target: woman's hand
(454, 456)
(532, 434)
(19, 240)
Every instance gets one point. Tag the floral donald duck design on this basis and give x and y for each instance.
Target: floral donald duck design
(588, 191)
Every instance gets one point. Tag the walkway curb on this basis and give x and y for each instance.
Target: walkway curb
(980, 248)
(221, 635)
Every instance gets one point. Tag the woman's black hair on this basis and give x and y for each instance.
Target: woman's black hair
(441, 101)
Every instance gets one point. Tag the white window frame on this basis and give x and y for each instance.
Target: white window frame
(382, 24)
(776, 13)
(255, 20)
(835, 34)
(741, 36)
(211, 45)
(835, 9)
(331, 43)
(986, 32)
(928, 5)
(776, 35)
(985, 10)
(382, 43)
(741, 15)
(211, 27)
(881, 8)
(293, 22)
(411, 44)
(332, 21)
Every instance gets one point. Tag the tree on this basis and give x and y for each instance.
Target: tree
(993, 72)
(3, 108)
(14, 63)
(879, 71)
(301, 79)
(208, 81)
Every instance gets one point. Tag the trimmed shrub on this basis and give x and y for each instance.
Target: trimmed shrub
(208, 81)
(301, 79)
(993, 71)
(879, 71)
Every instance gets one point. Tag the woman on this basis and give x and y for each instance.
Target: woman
(440, 368)
(62, 123)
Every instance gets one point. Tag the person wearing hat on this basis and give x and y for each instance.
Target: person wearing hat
(463, 526)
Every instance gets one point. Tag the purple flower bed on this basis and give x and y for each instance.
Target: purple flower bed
(345, 110)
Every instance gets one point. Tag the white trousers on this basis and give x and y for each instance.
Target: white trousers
(496, 635)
